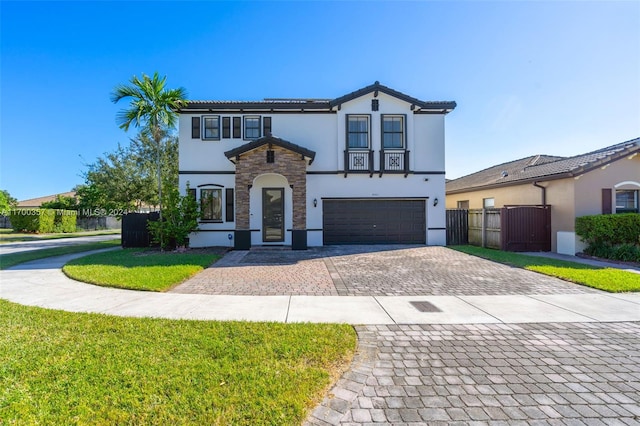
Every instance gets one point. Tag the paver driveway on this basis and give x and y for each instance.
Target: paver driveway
(564, 374)
(548, 373)
(368, 271)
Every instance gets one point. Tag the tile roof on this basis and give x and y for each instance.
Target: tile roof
(541, 167)
(326, 104)
(270, 140)
(36, 202)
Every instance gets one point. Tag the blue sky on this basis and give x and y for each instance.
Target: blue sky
(558, 78)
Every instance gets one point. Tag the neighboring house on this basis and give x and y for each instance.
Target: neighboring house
(599, 182)
(367, 167)
(35, 203)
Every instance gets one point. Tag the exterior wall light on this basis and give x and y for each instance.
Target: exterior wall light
(435, 201)
(315, 202)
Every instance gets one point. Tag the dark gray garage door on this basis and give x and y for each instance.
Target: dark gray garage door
(365, 221)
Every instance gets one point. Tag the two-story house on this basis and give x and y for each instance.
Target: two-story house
(364, 168)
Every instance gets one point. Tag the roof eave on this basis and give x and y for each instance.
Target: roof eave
(570, 174)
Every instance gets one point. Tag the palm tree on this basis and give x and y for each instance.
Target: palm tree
(151, 107)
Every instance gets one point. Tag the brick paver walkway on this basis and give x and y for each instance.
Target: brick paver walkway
(565, 374)
(368, 271)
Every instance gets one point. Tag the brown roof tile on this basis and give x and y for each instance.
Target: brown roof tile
(541, 167)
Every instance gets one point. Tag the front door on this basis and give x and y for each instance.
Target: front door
(272, 215)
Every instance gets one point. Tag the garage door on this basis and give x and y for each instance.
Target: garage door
(365, 221)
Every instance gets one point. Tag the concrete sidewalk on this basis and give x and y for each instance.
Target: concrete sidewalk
(42, 283)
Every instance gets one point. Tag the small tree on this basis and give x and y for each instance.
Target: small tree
(7, 202)
(61, 202)
(179, 219)
(152, 107)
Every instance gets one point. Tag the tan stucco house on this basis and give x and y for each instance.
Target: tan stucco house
(599, 182)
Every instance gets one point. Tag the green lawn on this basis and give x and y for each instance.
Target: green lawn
(608, 279)
(8, 236)
(138, 269)
(60, 368)
(9, 260)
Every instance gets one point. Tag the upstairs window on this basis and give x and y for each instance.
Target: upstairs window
(226, 127)
(211, 204)
(627, 201)
(358, 131)
(252, 127)
(211, 127)
(393, 131)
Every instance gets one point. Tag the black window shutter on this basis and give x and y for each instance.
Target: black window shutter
(195, 127)
(606, 200)
(229, 204)
(236, 127)
(266, 126)
(192, 193)
(226, 127)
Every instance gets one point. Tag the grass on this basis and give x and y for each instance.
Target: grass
(12, 259)
(607, 279)
(138, 269)
(8, 236)
(61, 368)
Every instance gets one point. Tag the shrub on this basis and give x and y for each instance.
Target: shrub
(46, 221)
(179, 219)
(610, 229)
(613, 236)
(66, 219)
(626, 252)
(43, 220)
(24, 220)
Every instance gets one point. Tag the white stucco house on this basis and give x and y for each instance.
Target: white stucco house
(363, 168)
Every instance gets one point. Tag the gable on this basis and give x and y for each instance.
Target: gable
(270, 141)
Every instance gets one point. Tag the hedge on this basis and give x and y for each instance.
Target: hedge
(43, 221)
(613, 236)
(66, 220)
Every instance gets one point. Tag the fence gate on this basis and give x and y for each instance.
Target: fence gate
(526, 228)
(134, 229)
(457, 227)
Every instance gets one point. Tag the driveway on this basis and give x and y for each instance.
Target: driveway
(529, 370)
(369, 271)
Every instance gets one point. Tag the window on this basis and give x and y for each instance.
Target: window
(211, 204)
(488, 203)
(393, 131)
(192, 193)
(627, 201)
(229, 204)
(266, 126)
(236, 128)
(251, 127)
(271, 156)
(211, 127)
(358, 131)
(195, 127)
(463, 204)
(226, 127)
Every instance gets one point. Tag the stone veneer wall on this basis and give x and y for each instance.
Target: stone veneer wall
(286, 163)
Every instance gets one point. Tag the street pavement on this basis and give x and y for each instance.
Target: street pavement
(21, 246)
